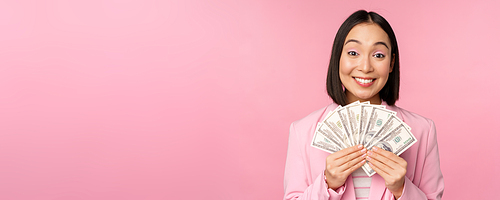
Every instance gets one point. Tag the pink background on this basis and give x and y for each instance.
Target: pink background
(123, 99)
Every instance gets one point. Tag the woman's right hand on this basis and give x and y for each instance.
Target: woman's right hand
(341, 164)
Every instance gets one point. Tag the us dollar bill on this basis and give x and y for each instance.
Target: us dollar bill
(378, 118)
(347, 122)
(392, 122)
(362, 123)
(364, 116)
(321, 142)
(326, 132)
(353, 113)
(334, 122)
(366, 110)
(396, 141)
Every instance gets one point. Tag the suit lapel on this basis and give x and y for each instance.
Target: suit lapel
(394, 108)
(349, 190)
(377, 188)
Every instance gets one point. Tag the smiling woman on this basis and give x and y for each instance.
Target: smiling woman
(364, 66)
(361, 36)
(365, 63)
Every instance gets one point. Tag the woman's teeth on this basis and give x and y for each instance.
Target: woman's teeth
(364, 80)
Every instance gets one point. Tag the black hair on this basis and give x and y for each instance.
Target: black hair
(390, 91)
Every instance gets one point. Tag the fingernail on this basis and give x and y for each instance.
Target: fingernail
(368, 158)
(363, 151)
(360, 146)
(370, 153)
(364, 155)
(375, 148)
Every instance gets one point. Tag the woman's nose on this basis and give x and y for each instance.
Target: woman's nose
(365, 65)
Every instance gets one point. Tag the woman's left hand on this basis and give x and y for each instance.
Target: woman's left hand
(391, 167)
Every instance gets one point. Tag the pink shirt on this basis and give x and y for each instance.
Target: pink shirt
(305, 165)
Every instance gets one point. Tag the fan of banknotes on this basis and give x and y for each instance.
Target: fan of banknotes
(363, 123)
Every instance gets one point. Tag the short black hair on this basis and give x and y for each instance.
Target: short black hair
(390, 91)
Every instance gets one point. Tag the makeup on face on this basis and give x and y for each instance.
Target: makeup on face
(364, 65)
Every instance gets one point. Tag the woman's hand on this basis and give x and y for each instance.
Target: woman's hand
(391, 167)
(341, 164)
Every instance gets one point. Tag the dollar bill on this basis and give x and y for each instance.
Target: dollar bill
(391, 124)
(363, 123)
(344, 118)
(334, 122)
(330, 135)
(353, 114)
(364, 116)
(396, 141)
(321, 142)
(378, 118)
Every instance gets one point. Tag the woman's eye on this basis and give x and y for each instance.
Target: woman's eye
(352, 53)
(379, 55)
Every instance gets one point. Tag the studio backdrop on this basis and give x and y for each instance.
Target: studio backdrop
(149, 99)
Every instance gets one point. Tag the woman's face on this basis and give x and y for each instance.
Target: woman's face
(365, 62)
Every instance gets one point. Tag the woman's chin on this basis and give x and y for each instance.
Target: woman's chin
(364, 97)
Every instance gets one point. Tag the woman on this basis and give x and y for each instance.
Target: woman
(364, 66)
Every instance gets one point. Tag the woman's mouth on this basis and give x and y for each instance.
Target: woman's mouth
(365, 82)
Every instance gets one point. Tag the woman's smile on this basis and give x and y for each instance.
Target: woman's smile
(365, 82)
(365, 62)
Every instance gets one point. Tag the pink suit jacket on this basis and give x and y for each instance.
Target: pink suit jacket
(305, 165)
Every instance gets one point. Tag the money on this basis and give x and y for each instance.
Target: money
(364, 117)
(348, 124)
(363, 123)
(334, 122)
(321, 142)
(330, 135)
(378, 118)
(354, 112)
(396, 141)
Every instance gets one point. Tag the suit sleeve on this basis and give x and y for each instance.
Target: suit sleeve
(431, 184)
(299, 185)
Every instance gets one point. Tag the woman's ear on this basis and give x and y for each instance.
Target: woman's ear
(392, 62)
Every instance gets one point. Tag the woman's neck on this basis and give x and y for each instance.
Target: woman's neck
(373, 100)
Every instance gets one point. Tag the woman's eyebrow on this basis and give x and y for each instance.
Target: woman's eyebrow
(376, 43)
(381, 43)
(352, 40)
